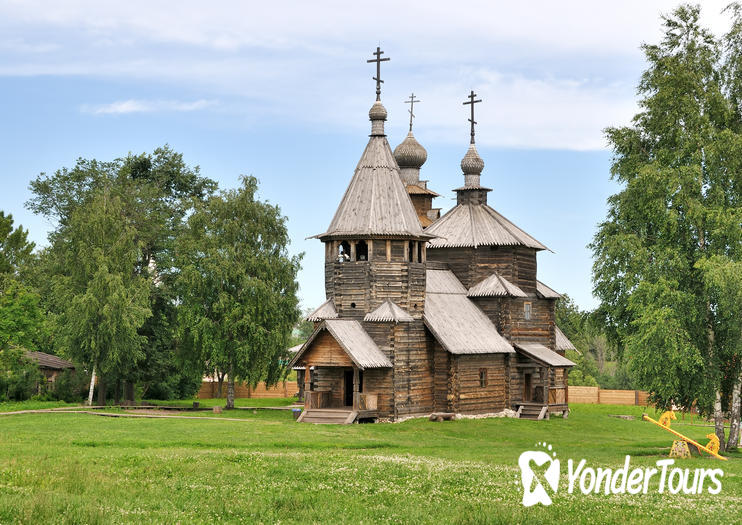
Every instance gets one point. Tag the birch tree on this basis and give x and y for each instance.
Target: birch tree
(237, 287)
(676, 222)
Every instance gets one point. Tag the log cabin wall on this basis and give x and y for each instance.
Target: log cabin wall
(359, 287)
(441, 376)
(471, 396)
(413, 370)
(487, 260)
(540, 328)
(525, 267)
(379, 381)
(459, 260)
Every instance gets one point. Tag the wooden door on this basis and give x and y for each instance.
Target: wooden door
(527, 388)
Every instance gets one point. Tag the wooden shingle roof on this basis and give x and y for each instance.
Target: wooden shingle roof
(376, 201)
(495, 286)
(49, 361)
(542, 354)
(325, 311)
(388, 312)
(455, 321)
(544, 292)
(562, 343)
(473, 225)
(353, 339)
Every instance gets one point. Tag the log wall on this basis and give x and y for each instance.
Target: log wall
(471, 397)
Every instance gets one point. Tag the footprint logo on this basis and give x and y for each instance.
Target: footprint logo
(538, 468)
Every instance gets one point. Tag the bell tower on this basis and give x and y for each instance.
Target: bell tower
(375, 247)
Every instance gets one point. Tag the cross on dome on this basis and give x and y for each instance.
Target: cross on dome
(472, 96)
(378, 61)
(411, 102)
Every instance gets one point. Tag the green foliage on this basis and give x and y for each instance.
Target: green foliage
(19, 376)
(59, 468)
(103, 303)
(15, 250)
(111, 262)
(71, 386)
(21, 318)
(680, 166)
(238, 285)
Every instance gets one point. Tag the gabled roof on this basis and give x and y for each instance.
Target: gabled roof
(473, 225)
(414, 189)
(455, 321)
(294, 349)
(325, 311)
(562, 343)
(376, 202)
(539, 352)
(544, 292)
(388, 312)
(49, 361)
(353, 339)
(495, 286)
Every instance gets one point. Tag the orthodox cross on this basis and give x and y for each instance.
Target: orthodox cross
(472, 96)
(411, 102)
(377, 78)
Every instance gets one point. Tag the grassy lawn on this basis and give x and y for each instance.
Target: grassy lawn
(79, 468)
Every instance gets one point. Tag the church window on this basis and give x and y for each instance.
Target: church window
(352, 305)
(419, 252)
(344, 251)
(361, 251)
(482, 378)
(410, 252)
(527, 311)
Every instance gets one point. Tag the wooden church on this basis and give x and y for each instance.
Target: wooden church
(428, 313)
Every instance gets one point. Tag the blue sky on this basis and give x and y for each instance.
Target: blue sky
(283, 94)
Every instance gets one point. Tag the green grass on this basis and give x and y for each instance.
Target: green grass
(12, 406)
(239, 402)
(85, 469)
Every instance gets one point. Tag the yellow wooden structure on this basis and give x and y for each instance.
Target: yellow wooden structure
(684, 438)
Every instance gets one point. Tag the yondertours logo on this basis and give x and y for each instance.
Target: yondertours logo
(540, 471)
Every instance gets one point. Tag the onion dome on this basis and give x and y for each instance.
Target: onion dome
(472, 163)
(377, 115)
(410, 153)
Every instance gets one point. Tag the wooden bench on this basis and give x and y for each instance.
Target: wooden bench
(442, 416)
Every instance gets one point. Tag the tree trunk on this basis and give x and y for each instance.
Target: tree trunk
(117, 394)
(92, 385)
(101, 392)
(230, 388)
(129, 392)
(220, 383)
(719, 422)
(734, 420)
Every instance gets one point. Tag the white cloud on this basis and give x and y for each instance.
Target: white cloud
(146, 106)
(553, 74)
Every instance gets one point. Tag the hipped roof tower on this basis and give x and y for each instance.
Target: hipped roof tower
(376, 202)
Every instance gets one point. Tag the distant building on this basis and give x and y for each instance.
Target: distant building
(428, 313)
(50, 365)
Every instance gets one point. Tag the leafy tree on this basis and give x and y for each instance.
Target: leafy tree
(237, 287)
(103, 304)
(19, 376)
(680, 165)
(15, 249)
(155, 191)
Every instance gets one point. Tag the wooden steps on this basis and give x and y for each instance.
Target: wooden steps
(331, 416)
(533, 411)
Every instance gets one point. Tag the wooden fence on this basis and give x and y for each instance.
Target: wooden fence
(209, 389)
(596, 395)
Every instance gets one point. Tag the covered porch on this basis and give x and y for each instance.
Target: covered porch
(341, 364)
(543, 373)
